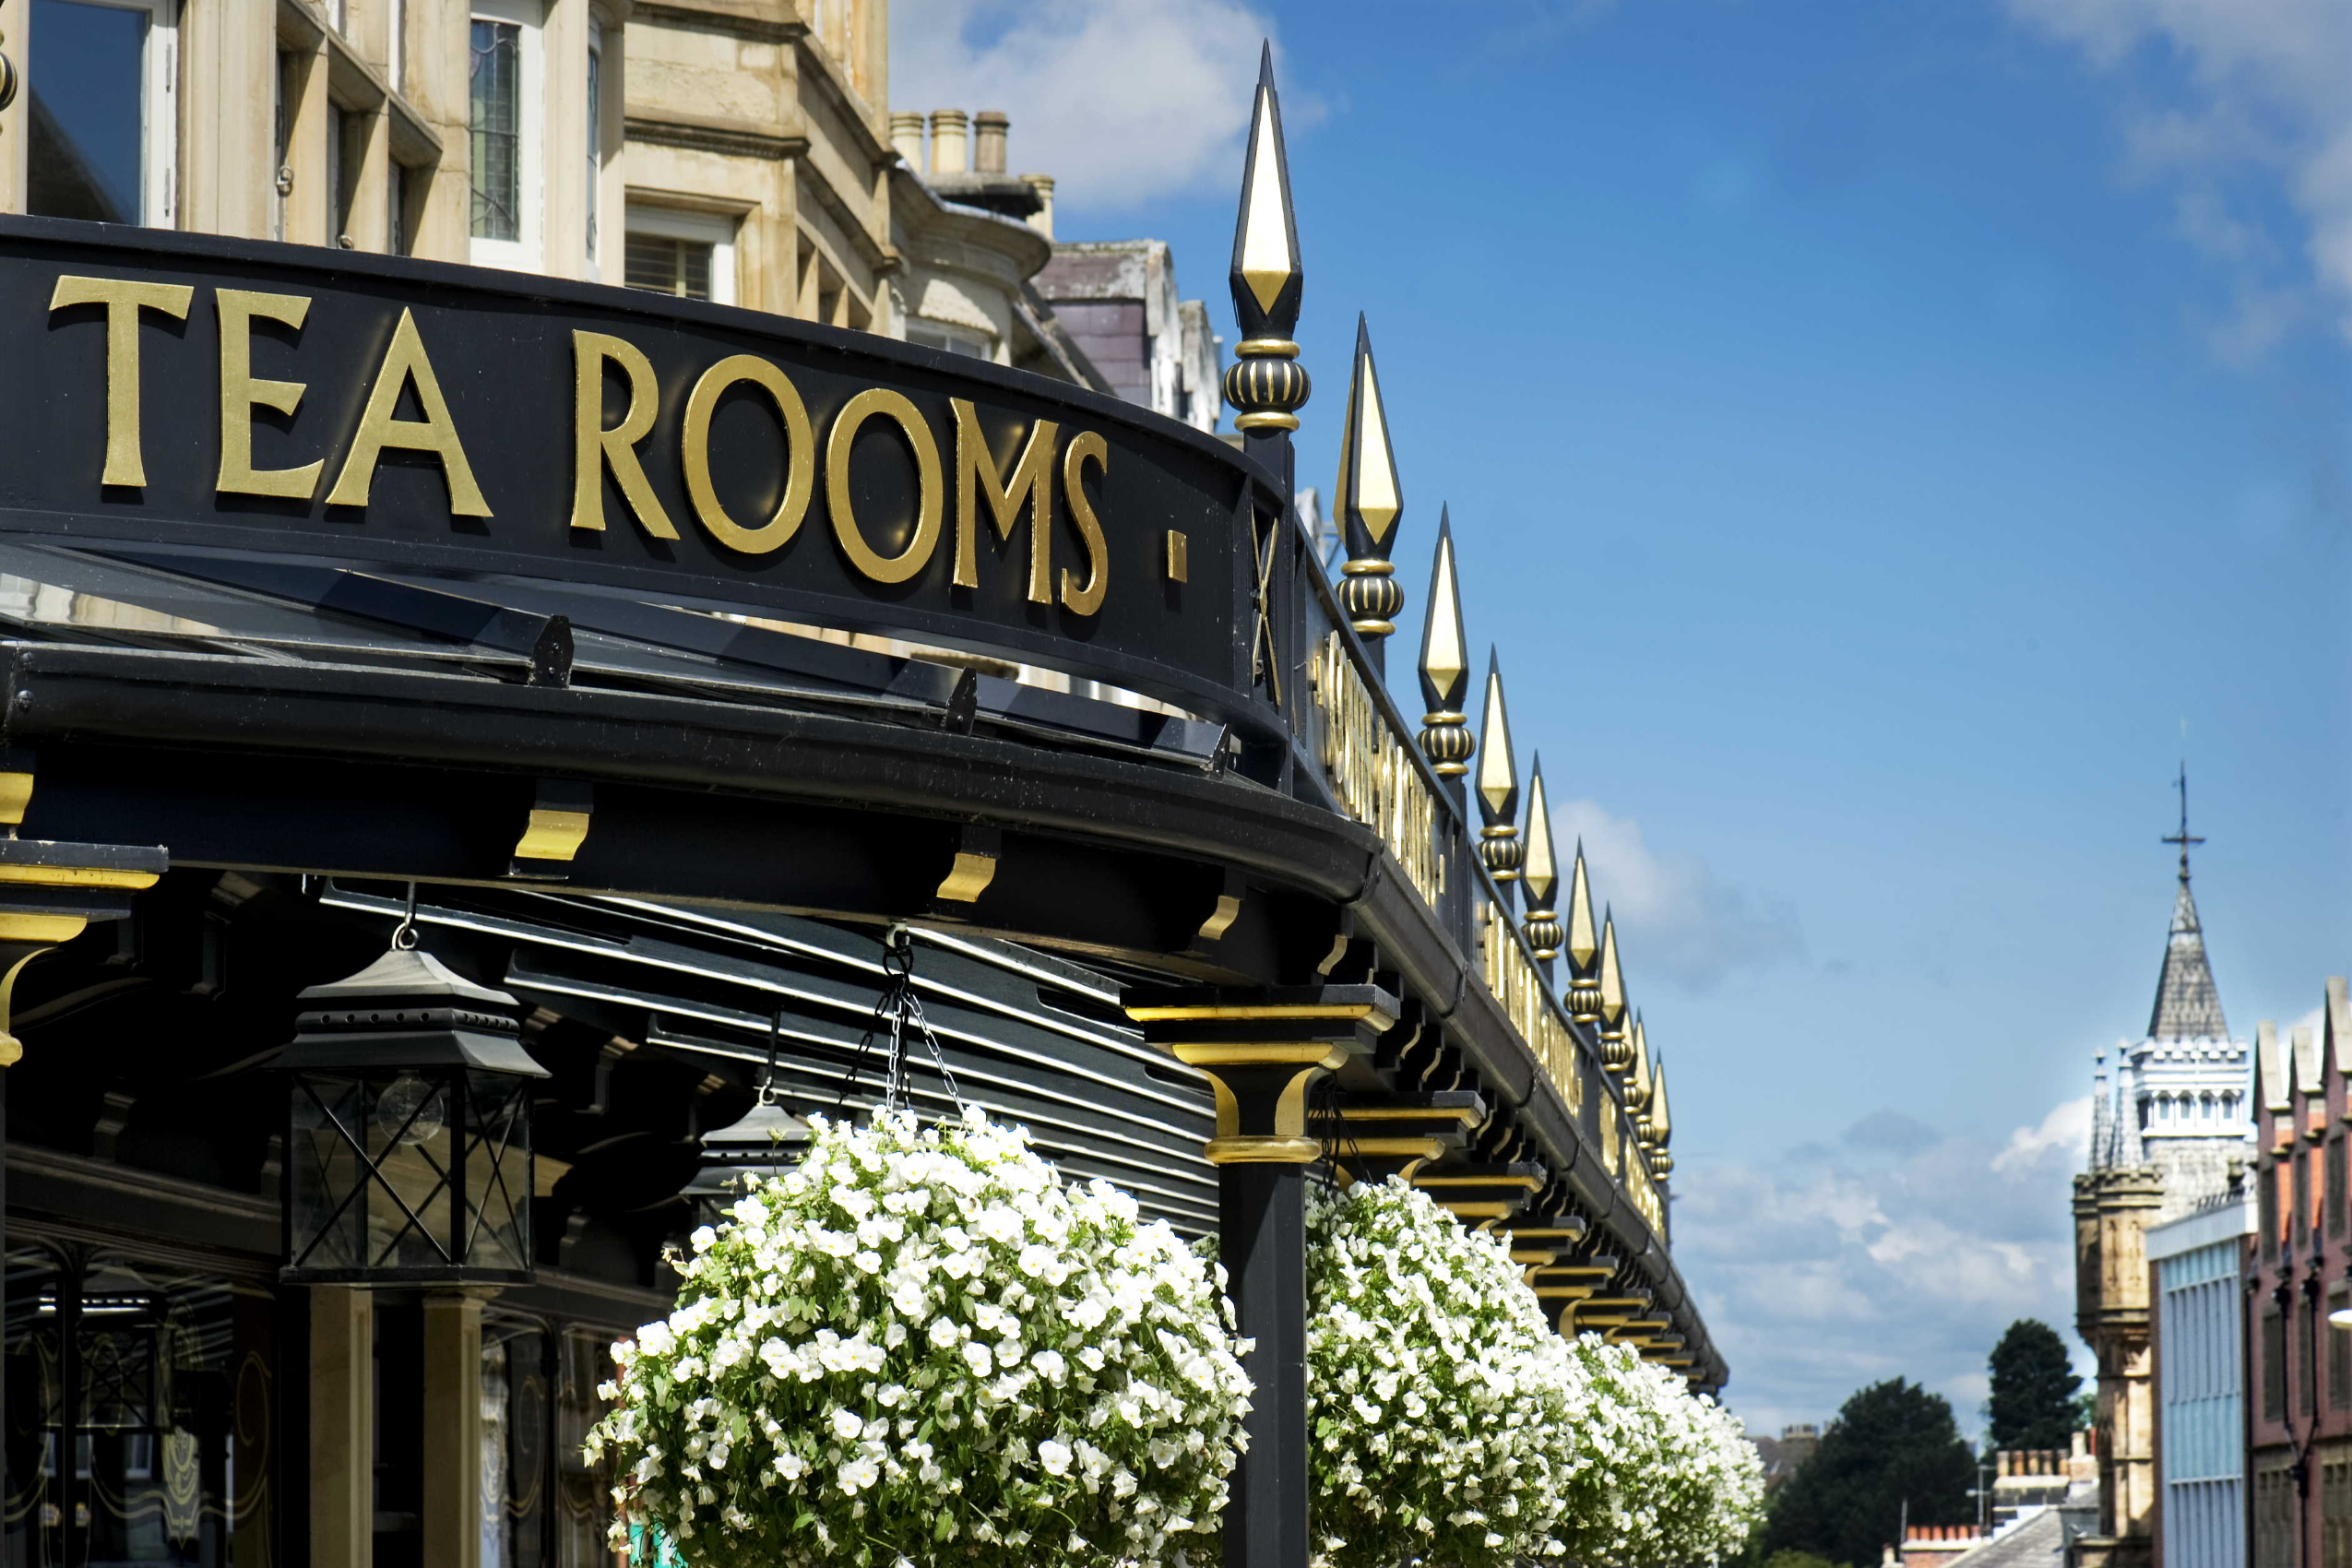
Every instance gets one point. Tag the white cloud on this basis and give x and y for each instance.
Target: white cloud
(1123, 101)
(2262, 85)
(1834, 1269)
(1674, 916)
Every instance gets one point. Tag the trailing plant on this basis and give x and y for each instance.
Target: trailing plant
(1453, 1429)
(1434, 1388)
(1678, 1480)
(922, 1346)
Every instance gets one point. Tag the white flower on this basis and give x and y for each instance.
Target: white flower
(942, 1280)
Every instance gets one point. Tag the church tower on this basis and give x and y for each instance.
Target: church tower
(2170, 1134)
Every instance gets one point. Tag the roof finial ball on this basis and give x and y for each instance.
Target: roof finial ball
(1265, 383)
(1445, 737)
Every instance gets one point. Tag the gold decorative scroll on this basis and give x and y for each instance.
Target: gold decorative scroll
(1371, 769)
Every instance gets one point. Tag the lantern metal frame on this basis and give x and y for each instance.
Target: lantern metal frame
(370, 1201)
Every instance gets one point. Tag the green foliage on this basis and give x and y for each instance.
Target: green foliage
(2034, 1385)
(1893, 1442)
(1790, 1558)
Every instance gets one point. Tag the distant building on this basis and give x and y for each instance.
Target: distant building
(2201, 1382)
(2162, 1143)
(1118, 298)
(2299, 1276)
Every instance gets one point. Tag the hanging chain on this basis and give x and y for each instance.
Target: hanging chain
(895, 1010)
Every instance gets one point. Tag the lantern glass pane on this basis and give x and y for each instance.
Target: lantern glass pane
(326, 1166)
(408, 1141)
(498, 1173)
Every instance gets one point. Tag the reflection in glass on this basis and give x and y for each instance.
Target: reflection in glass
(87, 112)
(498, 130)
(157, 1383)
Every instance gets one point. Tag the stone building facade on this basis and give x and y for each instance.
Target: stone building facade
(2164, 1136)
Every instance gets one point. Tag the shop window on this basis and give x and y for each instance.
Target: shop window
(505, 119)
(542, 1505)
(103, 83)
(2335, 1506)
(157, 1384)
(689, 255)
(2276, 1517)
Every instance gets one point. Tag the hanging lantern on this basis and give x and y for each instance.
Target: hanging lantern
(408, 1147)
(768, 1140)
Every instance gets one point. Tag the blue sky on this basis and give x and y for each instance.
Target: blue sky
(1871, 431)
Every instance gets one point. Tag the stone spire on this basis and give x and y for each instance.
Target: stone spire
(2187, 1006)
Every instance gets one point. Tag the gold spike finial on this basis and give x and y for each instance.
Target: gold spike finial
(1584, 948)
(1637, 1086)
(1367, 500)
(1265, 384)
(1613, 1044)
(1542, 874)
(1543, 861)
(1268, 279)
(1584, 943)
(1498, 784)
(1661, 1124)
(1445, 737)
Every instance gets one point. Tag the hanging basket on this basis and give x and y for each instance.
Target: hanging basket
(922, 1347)
(1434, 1390)
(1674, 1477)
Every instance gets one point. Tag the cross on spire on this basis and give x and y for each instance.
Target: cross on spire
(2184, 837)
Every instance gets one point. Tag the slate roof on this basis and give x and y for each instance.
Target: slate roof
(2187, 1006)
(2036, 1542)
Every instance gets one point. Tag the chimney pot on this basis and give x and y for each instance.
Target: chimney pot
(907, 136)
(989, 128)
(1042, 219)
(948, 128)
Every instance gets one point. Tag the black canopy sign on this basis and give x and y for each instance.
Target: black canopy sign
(178, 389)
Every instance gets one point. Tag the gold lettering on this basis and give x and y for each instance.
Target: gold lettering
(894, 406)
(405, 362)
(1085, 600)
(240, 395)
(124, 299)
(800, 442)
(593, 447)
(977, 476)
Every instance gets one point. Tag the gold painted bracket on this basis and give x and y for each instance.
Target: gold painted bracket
(562, 812)
(977, 853)
(1262, 1050)
(50, 893)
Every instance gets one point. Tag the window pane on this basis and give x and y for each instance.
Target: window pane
(87, 112)
(498, 130)
(669, 267)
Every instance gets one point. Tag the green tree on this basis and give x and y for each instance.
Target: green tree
(1893, 1444)
(2034, 1383)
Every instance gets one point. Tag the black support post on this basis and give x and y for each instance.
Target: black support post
(1262, 1051)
